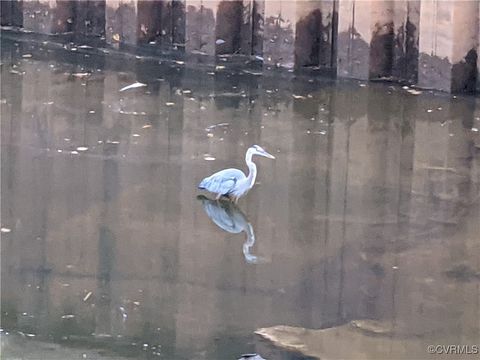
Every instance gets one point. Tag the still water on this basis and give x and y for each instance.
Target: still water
(361, 240)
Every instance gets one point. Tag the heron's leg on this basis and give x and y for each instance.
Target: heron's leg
(235, 200)
(218, 196)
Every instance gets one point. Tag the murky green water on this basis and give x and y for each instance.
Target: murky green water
(369, 212)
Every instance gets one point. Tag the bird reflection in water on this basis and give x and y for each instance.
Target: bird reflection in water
(230, 218)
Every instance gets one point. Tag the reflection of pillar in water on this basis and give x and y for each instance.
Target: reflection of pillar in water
(110, 183)
(349, 108)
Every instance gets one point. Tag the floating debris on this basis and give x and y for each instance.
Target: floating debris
(5, 230)
(26, 56)
(169, 103)
(82, 148)
(80, 75)
(133, 86)
(146, 126)
(74, 152)
(86, 297)
(211, 127)
(123, 312)
(91, 112)
(219, 67)
(59, 150)
(68, 316)
(208, 157)
(179, 62)
(220, 42)
(116, 37)
(135, 135)
(429, 110)
(210, 135)
(298, 96)
(475, 129)
(414, 92)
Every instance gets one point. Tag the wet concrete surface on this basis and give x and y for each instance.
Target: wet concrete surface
(369, 214)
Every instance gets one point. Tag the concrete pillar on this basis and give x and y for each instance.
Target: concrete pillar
(200, 27)
(48, 16)
(89, 17)
(366, 38)
(448, 45)
(406, 22)
(354, 36)
(314, 33)
(279, 33)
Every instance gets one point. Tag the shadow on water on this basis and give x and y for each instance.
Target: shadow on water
(367, 221)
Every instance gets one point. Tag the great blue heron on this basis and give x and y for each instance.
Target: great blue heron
(232, 182)
(230, 218)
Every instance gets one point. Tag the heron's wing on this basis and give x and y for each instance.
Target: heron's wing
(223, 181)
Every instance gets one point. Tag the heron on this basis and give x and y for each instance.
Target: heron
(233, 183)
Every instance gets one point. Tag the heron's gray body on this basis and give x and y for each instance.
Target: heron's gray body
(233, 182)
(228, 182)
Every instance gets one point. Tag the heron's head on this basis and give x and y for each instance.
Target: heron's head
(258, 150)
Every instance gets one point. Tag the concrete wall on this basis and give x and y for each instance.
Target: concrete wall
(430, 43)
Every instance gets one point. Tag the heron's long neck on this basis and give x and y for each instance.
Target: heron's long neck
(252, 169)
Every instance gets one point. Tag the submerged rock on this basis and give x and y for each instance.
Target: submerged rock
(359, 339)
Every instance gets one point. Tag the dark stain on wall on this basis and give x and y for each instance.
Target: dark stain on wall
(334, 41)
(405, 66)
(308, 39)
(178, 22)
(228, 27)
(150, 16)
(257, 28)
(89, 18)
(11, 13)
(381, 51)
(464, 73)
